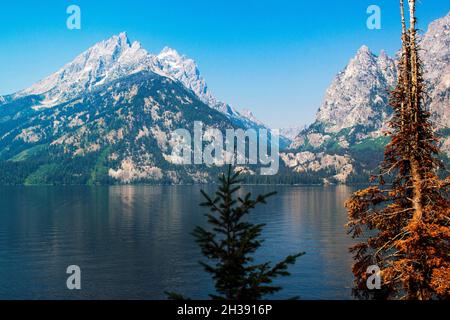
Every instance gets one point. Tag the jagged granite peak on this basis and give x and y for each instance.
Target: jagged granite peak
(358, 93)
(435, 54)
(185, 70)
(118, 57)
(358, 96)
(104, 62)
(355, 111)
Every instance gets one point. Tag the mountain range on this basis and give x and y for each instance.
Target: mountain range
(106, 118)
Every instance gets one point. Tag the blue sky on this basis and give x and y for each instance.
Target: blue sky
(275, 58)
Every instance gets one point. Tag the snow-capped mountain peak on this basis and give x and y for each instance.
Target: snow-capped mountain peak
(354, 115)
(168, 53)
(364, 50)
(105, 61)
(185, 70)
(115, 43)
(118, 57)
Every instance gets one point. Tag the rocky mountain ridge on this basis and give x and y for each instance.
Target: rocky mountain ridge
(351, 123)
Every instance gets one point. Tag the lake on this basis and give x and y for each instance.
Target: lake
(135, 242)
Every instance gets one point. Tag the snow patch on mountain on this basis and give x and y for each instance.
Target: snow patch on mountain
(185, 70)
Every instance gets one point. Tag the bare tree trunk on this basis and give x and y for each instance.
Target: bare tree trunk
(414, 59)
(415, 105)
(405, 75)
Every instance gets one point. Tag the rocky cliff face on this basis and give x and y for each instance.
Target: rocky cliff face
(104, 62)
(353, 117)
(359, 94)
(436, 58)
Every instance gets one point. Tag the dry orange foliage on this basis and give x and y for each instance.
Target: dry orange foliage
(407, 222)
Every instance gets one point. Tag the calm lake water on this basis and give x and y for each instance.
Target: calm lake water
(134, 242)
